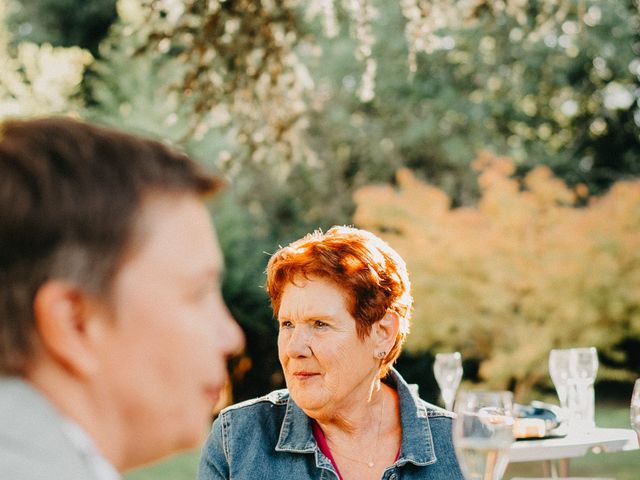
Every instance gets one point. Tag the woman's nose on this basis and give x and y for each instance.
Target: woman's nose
(298, 343)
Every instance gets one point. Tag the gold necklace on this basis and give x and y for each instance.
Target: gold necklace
(369, 463)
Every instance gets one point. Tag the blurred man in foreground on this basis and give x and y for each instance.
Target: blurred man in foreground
(113, 331)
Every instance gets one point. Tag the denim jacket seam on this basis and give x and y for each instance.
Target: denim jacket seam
(432, 452)
(401, 462)
(225, 438)
(326, 473)
(284, 430)
(269, 398)
(423, 413)
(437, 414)
(324, 465)
(283, 445)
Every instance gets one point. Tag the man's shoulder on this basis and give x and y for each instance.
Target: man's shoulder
(23, 409)
(25, 464)
(33, 445)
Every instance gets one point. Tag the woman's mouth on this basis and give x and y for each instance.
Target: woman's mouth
(304, 375)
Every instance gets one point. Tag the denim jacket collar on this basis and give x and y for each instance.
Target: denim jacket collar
(296, 435)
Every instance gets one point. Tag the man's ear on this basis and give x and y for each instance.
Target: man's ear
(67, 325)
(385, 331)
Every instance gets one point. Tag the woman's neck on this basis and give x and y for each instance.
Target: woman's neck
(358, 419)
(372, 442)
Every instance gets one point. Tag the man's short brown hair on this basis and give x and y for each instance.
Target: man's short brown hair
(69, 195)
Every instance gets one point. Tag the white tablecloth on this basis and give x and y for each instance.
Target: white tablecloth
(575, 444)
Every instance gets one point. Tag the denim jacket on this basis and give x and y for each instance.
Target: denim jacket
(271, 438)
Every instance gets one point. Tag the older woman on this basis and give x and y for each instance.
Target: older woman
(342, 300)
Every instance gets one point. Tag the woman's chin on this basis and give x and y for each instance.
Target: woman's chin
(307, 398)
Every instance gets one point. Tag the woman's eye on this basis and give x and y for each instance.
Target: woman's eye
(319, 324)
(286, 324)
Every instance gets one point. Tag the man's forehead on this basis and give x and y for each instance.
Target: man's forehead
(177, 225)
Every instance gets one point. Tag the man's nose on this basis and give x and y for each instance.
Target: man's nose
(233, 336)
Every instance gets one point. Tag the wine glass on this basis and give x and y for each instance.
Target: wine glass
(448, 372)
(559, 361)
(634, 412)
(483, 433)
(583, 366)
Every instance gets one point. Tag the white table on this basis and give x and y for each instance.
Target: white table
(576, 444)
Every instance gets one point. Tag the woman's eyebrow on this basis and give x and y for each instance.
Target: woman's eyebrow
(307, 318)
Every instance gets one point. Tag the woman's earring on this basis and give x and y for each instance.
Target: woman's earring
(381, 355)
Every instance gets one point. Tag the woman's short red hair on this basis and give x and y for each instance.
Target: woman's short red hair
(372, 275)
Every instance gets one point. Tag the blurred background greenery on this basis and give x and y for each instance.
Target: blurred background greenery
(388, 115)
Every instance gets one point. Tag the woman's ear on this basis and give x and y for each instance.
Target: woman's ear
(66, 323)
(385, 331)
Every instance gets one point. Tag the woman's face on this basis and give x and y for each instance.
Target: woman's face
(326, 365)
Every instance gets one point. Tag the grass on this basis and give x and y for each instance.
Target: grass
(621, 466)
(183, 466)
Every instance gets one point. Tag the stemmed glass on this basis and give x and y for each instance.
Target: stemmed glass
(559, 370)
(584, 364)
(634, 412)
(448, 372)
(583, 367)
(483, 433)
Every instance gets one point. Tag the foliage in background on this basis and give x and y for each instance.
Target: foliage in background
(524, 271)
(543, 81)
(239, 70)
(564, 94)
(63, 23)
(37, 79)
(259, 211)
(300, 103)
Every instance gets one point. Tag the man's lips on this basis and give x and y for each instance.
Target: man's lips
(212, 392)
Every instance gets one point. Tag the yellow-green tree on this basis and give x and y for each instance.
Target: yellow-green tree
(37, 79)
(533, 266)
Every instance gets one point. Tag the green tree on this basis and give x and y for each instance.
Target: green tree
(63, 23)
(544, 82)
(557, 87)
(302, 102)
(38, 79)
(259, 211)
(269, 93)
